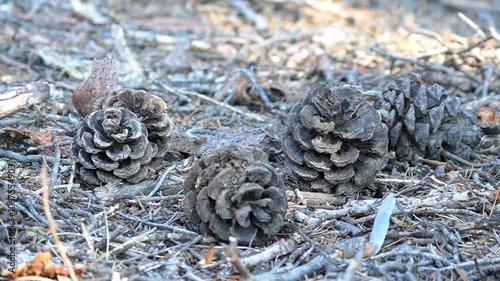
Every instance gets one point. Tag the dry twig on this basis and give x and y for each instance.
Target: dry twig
(52, 224)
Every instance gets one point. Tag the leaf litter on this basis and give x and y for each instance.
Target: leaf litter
(445, 220)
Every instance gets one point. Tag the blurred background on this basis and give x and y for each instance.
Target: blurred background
(195, 44)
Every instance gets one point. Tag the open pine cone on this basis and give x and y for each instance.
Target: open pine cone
(150, 110)
(423, 120)
(335, 141)
(235, 192)
(111, 146)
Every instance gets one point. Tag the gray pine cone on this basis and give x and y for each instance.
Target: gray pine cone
(335, 141)
(111, 146)
(423, 120)
(150, 110)
(234, 191)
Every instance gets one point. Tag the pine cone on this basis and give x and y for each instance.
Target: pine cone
(111, 146)
(150, 110)
(235, 192)
(98, 92)
(335, 141)
(423, 120)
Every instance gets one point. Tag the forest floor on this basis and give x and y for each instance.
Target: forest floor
(209, 60)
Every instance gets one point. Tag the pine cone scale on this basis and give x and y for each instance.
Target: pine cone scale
(303, 172)
(101, 141)
(306, 116)
(326, 144)
(86, 161)
(204, 206)
(409, 120)
(259, 173)
(339, 175)
(222, 204)
(422, 132)
(106, 177)
(242, 215)
(345, 156)
(87, 143)
(138, 149)
(250, 190)
(135, 129)
(127, 169)
(303, 136)
(139, 176)
(292, 149)
(102, 162)
(318, 161)
(118, 152)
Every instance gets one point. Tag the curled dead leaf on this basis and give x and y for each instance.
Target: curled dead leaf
(41, 266)
(489, 120)
(208, 257)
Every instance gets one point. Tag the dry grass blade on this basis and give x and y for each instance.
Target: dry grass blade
(381, 224)
(123, 245)
(52, 224)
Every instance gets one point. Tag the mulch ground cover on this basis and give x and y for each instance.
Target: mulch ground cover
(230, 72)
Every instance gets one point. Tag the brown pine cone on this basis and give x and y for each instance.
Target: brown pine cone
(98, 92)
(111, 146)
(150, 110)
(235, 192)
(424, 120)
(335, 141)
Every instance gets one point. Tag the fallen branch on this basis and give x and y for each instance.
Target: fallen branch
(429, 66)
(30, 158)
(260, 92)
(310, 268)
(182, 95)
(17, 98)
(280, 248)
(227, 106)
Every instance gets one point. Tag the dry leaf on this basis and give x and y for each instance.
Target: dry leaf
(489, 119)
(238, 86)
(41, 266)
(40, 137)
(101, 83)
(208, 258)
